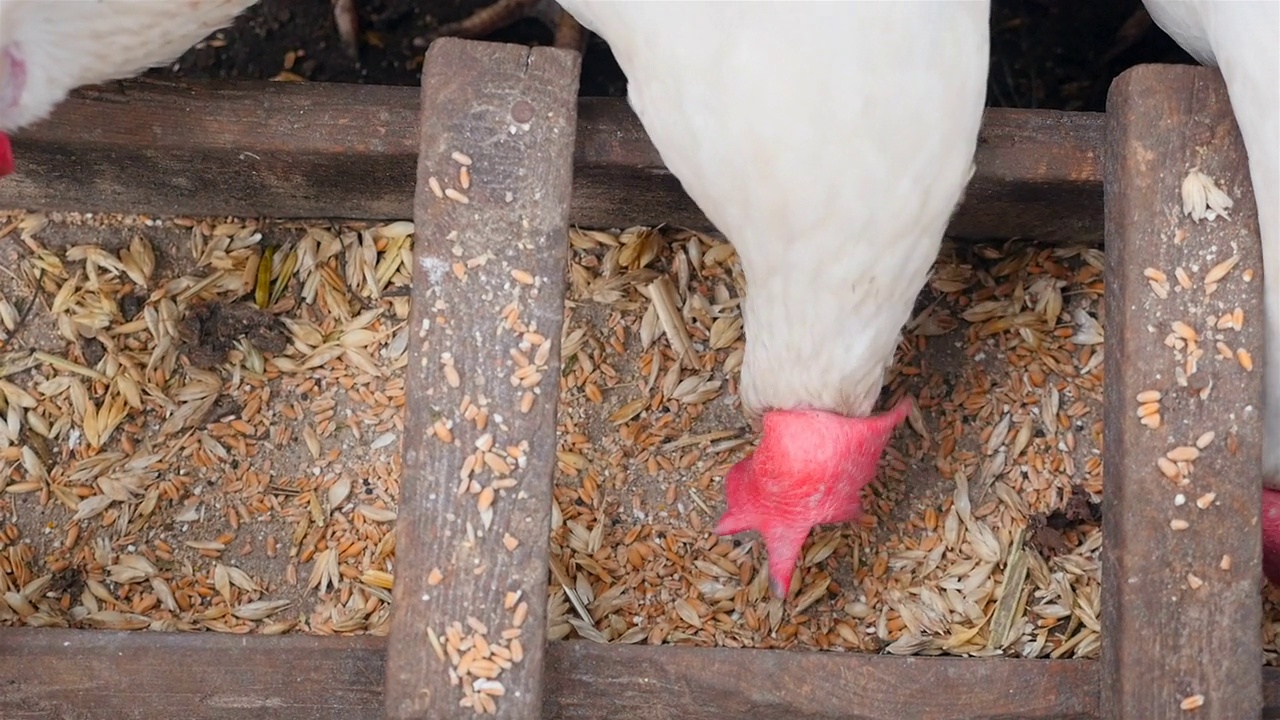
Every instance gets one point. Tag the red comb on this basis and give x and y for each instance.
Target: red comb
(6, 155)
(809, 470)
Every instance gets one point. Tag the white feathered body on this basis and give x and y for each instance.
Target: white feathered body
(63, 44)
(830, 142)
(1242, 39)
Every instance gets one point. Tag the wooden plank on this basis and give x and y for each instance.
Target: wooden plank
(1175, 624)
(471, 558)
(714, 684)
(335, 150)
(52, 674)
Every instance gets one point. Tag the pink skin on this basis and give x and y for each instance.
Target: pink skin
(1271, 535)
(809, 470)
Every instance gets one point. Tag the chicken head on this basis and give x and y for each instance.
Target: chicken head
(809, 470)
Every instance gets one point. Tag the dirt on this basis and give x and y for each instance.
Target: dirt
(1057, 532)
(1053, 54)
(212, 330)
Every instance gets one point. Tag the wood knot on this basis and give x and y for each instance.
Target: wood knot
(522, 111)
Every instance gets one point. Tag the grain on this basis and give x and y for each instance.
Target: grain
(620, 315)
(300, 447)
(182, 507)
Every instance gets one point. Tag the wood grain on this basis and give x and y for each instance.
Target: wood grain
(54, 674)
(51, 674)
(1168, 636)
(489, 271)
(331, 150)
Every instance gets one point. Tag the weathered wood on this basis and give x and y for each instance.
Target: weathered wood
(1175, 623)
(51, 674)
(683, 683)
(334, 150)
(488, 306)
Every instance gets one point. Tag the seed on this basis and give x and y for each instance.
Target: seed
(522, 276)
(436, 190)
(1179, 524)
(1183, 453)
(1192, 702)
(442, 432)
(1152, 421)
(1203, 441)
(1185, 331)
(496, 464)
(1219, 271)
(451, 376)
(1150, 408)
(1149, 396)
(1169, 468)
(1204, 501)
(461, 158)
(1225, 564)
(435, 577)
(1155, 275)
(486, 498)
(1193, 581)
(1245, 358)
(456, 196)
(1247, 274)
(1184, 280)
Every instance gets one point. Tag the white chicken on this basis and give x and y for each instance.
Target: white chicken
(830, 143)
(47, 49)
(1242, 39)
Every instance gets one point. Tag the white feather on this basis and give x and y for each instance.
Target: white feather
(830, 142)
(1242, 39)
(64, 44)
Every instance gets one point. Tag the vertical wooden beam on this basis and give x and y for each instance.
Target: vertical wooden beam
(1181, 556)
(491, 248)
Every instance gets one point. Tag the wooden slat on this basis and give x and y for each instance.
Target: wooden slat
(1164, 639)
(488, 274)
(51, 674)
(334, 150)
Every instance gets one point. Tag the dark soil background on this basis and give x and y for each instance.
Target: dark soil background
(1056, 54)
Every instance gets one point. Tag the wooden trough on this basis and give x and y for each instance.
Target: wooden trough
(544, 159)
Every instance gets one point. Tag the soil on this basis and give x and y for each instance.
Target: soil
(1049, 54)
